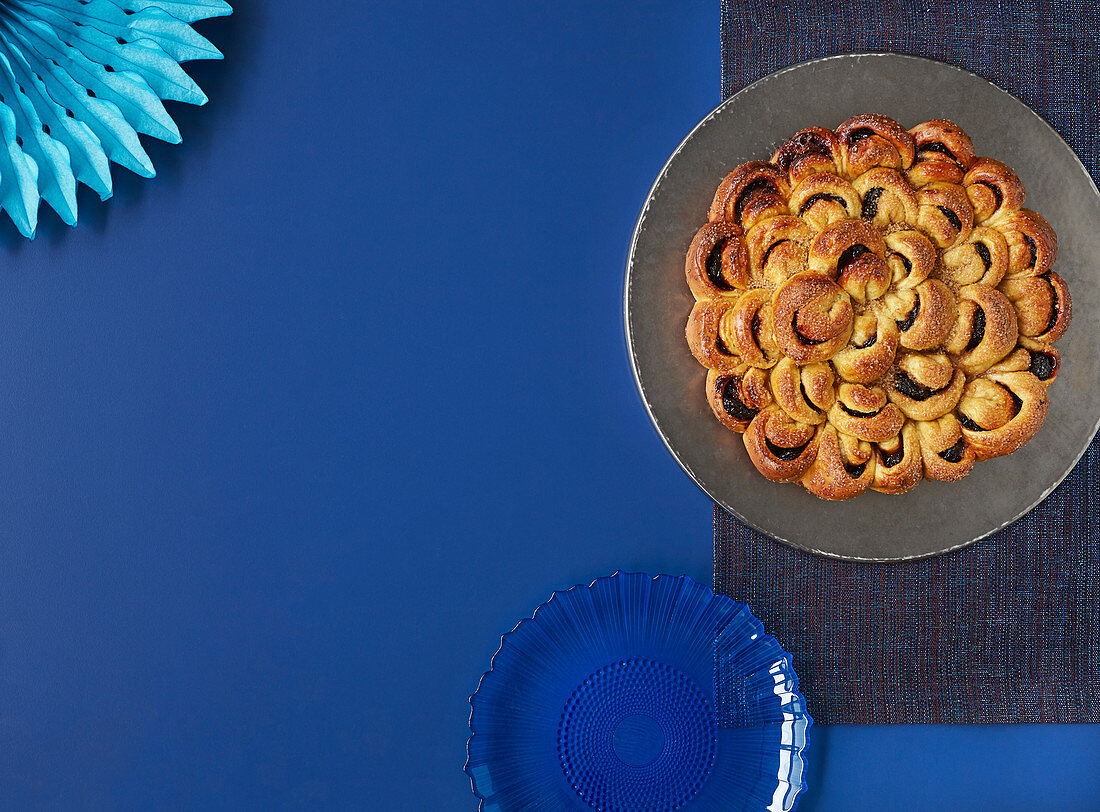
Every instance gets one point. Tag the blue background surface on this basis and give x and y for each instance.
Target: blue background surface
(293, 432)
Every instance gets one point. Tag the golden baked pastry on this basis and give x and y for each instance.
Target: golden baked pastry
(874, 306)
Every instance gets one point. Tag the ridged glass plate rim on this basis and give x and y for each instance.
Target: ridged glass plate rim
(796, 778)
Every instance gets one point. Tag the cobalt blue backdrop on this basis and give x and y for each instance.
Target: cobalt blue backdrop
(293, 432)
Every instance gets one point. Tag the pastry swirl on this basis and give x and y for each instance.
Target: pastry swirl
(945, 213)
(875, 306)
(842, 468)
(736, 399)
(926, 387)
(869, 141)
(911, 258)
(812, 317)
(864, 412)
(871, 349)
(709, 335)
(1000, 413)
(853, 253)
(982, 258)
(993, 189)
(1032, 243)
(1043, 307)
(805, 393)
(779, 248)
(886, 198)
(943, 153)
(717, 261)
(985, 330)
(780, 448)
(825, 198)
(924, 314)
(750, 193)
(947, 456)
(808, 152)
(899, 464)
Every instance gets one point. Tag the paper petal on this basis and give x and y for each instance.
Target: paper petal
(79, 81)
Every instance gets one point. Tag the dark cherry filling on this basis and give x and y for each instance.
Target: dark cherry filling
(821, 196)
(785, 454)
(997, 196)
(720, 345)
(1042, 366)
(1034, 253)
(1053, 306)
(1017, 404)
(982, 250)
(912, 317)
(800, 146)
(714, 267)
(913, 390)
(851, 254)
(952, 218)
(967, 423)
(936, 146)
(808, 341)
(859, 134)
(733, 404)
(870, 203)
(978, 330)
(854, 413)
(955, 453)
(768, 253)
(760, 185)
(905, 261)
(891, 458)
(806, 398)
(755, 327)
(855, 471)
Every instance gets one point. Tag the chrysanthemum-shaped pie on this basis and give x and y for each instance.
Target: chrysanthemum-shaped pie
(874, 306)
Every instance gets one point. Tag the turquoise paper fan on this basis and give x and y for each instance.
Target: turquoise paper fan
(79, 80)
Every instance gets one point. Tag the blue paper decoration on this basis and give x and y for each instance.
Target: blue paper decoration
(79, 79)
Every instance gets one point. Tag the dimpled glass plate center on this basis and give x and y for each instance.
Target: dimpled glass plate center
(638, 740)
(637, 735)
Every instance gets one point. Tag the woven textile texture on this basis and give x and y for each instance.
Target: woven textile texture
(1007, 629)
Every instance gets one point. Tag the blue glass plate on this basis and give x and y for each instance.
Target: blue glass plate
(638, 693)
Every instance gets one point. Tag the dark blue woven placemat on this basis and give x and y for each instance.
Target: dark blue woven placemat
(1005, 630)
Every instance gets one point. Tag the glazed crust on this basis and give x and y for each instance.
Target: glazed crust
(875, 306)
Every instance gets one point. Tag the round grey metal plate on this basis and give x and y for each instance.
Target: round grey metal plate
(935, 517)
